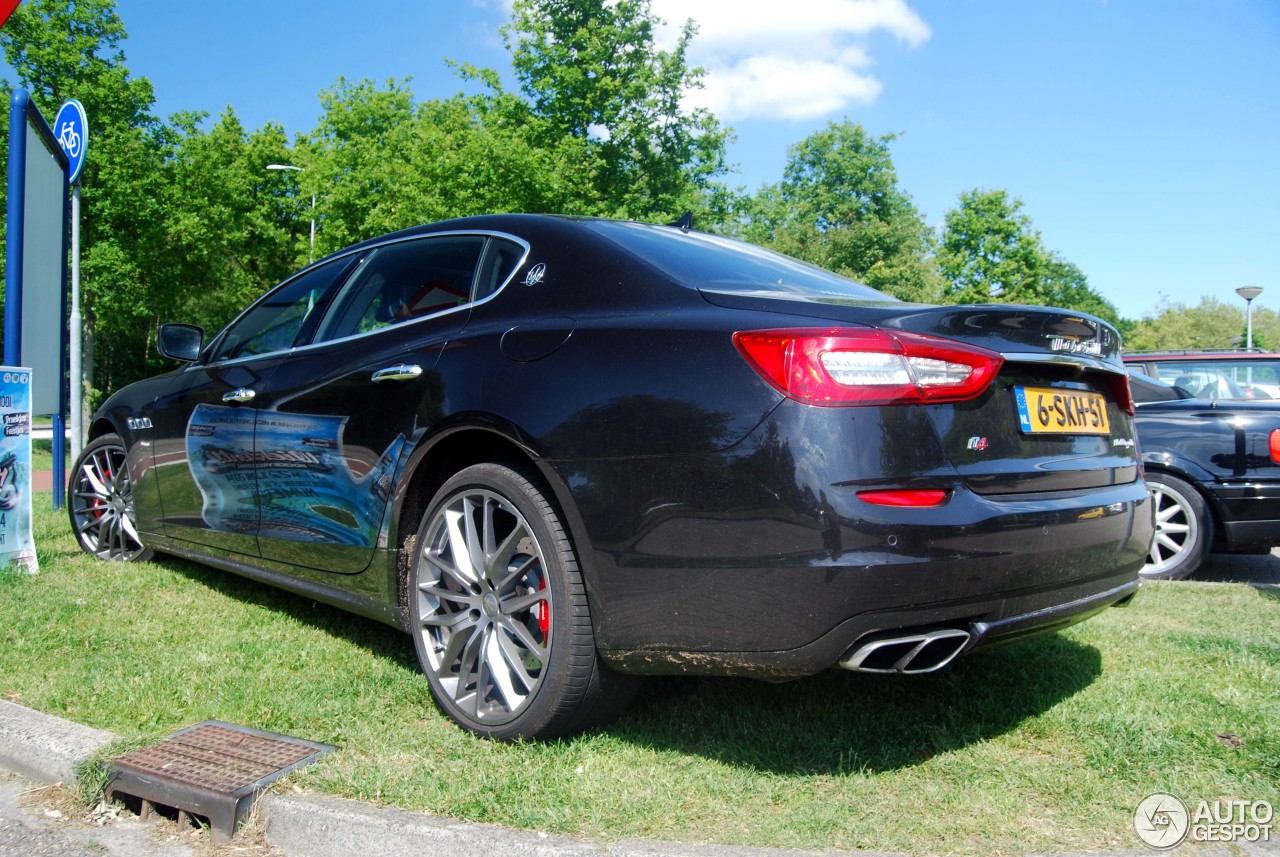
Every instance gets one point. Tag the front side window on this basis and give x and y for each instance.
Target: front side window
(273, 323)
(401, 282)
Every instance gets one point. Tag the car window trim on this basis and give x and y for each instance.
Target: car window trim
(363, 252)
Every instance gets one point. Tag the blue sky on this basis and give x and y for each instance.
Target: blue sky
(1142, 135)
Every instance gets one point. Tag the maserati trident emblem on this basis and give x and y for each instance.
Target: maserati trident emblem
(536, 274)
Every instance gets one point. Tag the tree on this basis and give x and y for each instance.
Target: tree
(1210, 325)
(839, 206)
(991, 252)
(231, 227)
(59, 51)
(1064, 285)
(591, 73)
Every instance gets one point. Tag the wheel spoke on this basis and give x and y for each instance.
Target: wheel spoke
(90, 471)
(128, 528)
(463, 569)
(515, 574)
(525, 636)
(498, 559)
(520, 603)
(500, 670)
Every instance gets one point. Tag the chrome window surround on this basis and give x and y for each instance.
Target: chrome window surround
(203, 363)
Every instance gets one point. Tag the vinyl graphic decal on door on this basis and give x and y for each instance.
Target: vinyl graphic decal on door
(284, 476)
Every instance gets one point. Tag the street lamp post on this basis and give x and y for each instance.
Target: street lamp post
(311, 257)
(1249, 293)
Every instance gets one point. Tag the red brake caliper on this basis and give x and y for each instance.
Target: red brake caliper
(98, 503)
(544, 612)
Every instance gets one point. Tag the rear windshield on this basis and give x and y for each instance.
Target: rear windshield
(709, 262)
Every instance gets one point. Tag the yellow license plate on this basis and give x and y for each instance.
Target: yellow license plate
(1042, 410)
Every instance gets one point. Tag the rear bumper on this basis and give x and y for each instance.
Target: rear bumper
(776, 598)
(1018, 617)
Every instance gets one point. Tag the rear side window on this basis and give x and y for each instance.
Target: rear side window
(501, 257)
(401, 282)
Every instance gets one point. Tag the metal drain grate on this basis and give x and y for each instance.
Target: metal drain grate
(212, 769)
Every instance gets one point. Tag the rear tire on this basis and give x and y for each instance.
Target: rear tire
(1184, 529)
(499, 612)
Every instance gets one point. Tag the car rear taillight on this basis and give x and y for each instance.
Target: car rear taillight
(1275, 445)
(868, 366)
(1124, 395)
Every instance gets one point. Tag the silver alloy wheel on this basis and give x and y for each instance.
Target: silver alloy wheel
(101, 506)
(483, 606)
(1177, 530)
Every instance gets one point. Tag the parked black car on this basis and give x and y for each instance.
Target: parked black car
(1214, 471)
(560, 451)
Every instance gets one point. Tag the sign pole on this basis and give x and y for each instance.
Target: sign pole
(77, 354)
(72, 127)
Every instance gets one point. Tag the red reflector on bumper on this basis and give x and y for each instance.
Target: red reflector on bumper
(922, 499)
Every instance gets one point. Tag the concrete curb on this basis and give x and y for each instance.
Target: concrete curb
(45, 748)
(48, 749)
(317, 826)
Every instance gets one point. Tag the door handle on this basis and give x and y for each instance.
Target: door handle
(399, 373)
(239, 395)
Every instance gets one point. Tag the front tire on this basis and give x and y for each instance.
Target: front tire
(1184, 529)
(101, 503)
(499, 612)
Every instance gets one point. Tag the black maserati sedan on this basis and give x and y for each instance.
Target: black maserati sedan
(1213, 467)
(562, 453)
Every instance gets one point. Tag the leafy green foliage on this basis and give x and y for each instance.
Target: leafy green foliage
(991, 252)
(62, 51)
(1210, 325)
(839, 205)
(591, 73)
(182, 220)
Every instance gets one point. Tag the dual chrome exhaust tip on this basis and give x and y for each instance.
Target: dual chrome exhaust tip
(908, 652)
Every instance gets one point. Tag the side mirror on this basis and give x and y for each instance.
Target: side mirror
(180, 341)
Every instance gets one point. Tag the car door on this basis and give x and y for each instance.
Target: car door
(205, 421)
(335, 419)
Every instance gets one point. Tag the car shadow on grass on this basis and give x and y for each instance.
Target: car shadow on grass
(836, 722)
(381, 640)
(1260, 570)
(840, 722)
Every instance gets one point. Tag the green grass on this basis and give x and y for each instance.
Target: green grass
(42, 455)
(1046, 745)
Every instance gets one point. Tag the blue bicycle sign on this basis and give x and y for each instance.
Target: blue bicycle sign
(72, 128)
(69, 140)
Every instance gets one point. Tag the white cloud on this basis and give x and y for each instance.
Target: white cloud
(777, 59)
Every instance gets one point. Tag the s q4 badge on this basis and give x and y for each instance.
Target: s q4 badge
(536, 274)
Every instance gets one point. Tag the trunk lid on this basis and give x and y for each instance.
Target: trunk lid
(1055, 417)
